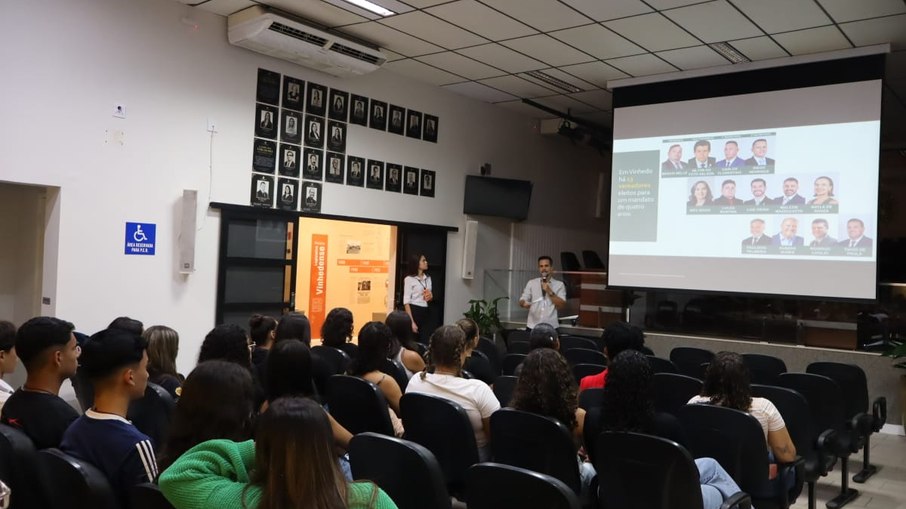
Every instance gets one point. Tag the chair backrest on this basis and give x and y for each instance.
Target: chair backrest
(519, 347)
(661, 365)
(517, 335)
(443, 427)
(584, 356)
(796, 415)
(407, 471)
(591, 260)
(823, 396)
(583, 370)
(76, 484)
(489, 349)
(510, 361)
(535, 442)
(358, 405)
(496, 486)
(19, 469)
(336, 358)
(570, 342)
(480, 367)
(396, 369)
(152, 414)
(764, 369)
(569, 261)
(591, 398)
(672, 391)
(629, 465)
(148, 496)
(689, 360)
(852, 382)
(503, 388)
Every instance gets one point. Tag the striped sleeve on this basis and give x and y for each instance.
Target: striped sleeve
(149, 461)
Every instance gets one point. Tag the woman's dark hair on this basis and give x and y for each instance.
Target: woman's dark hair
(414, 262)
(226, 342)
(708, 198)
(289, 370)
(628, 403)
(400, 324)
(374, 347)
(445, 349)
(217, 401)
(295, 464)
(727, 382)
(260, 326)
(293, 326)
(127, 324)
(337, 327)
(620, 336)
(547, 386)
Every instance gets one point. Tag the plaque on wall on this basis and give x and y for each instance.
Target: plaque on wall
(265, 121)
(428, 183)
(288, 194)
(410, 180)
(293, 93)
(317, 97)
(397, 123)
(375, 175)
(311, 197)
(378, 118)
(314, 164)
(268, 90)
(291, 127)
(335, 168)
(264, 156)
(289, 160)
(339, 105)
(431, 125)
(262, 191)
(355, 171)
(394, 182)
(414, 124)
(336, 140)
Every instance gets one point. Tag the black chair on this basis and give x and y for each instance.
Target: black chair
(673, 391)
(735, 439)
(516, 336)
(358, 405)
(689, 360)
(815, 449)
(570, 342)
(496, 486)
(443, 427)
(637, 471)
(480, 367)
(421, 348)
(538, 443)
(592, 261)
(489, 349)
(408, 472)
(148, 496)
(510, 361)
(764, 369)
(503, 388)
(396, 369)
(581, 371)
(591, 398)
(569, 262)
(152, 414)
(76, 484)
(19, 469)
(660, 365)
(337, 359)
(584, 356)
(519, 347)
(854, 385)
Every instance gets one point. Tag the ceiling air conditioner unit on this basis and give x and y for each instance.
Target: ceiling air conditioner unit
(278, 35)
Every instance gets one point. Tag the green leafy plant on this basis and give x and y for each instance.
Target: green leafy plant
(897, 352)
(485, 314)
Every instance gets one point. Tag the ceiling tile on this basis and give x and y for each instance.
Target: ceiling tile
(847, 10)
(391, 56)
(525, 109)
(598, 41)
(569, 78)
(596, 73)
(641, 65)
(653, 32)
(670, 4)
(541, 14)
(463, 66)
(481, 19)
(225, 7)
(433, 29)
(391, 39)
(601, 99)
(422, 72)
(891, 29)
(783, 15)
(518, 86)
(565, 104)
(759, 48)
(548, 50)
(813, 40)
(502, 58)
(479, 91)
(612, 9)
(714, 21)
(421, 4)
(693, 58)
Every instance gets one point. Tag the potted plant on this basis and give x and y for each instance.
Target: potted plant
(486, 315)
(898, 354)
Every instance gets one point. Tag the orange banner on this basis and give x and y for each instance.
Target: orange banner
(363, 263)
(368, 270)
(317, 293)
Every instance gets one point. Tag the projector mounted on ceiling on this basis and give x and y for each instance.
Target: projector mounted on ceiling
(281, 36)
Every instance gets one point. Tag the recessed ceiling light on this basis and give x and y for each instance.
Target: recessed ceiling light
(371, 6)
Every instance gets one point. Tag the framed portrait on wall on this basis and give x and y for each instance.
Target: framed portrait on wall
(375, 175)
(355, 171)
(339, 105)
(410, 180)
(335, 168)
(291, 127)
(314, 164)
(431, 125)
(316, 101)
(336, 138)
(314, 131)
(358, 110)
(264, 156)
(262, 191)
(397, 123)
(414, 124)
(394, 182)
(293, 93)
(268, 89)
(289, 160)
(287, 194)
(311, 197)
(378, 118)
(428, 183)
(266, 121)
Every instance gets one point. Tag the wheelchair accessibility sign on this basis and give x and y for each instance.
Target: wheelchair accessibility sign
(140, 238)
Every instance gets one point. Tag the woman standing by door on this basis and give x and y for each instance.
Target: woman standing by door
(416, 296)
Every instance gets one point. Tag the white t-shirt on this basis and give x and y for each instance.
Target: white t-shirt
(761, 409)
(542, 310)
(474, 396)
(414, 290)
(6, 390)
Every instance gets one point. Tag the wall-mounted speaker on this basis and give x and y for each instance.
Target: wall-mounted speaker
(469, 245)
(186, 237)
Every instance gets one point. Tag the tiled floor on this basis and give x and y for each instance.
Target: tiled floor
(885, 490)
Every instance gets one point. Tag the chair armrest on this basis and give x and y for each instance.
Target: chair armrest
(879, 413)
(798, 465)
(860, 426)
(740, 499)
(827, 446)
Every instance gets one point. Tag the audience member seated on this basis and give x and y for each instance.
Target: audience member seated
(542, 336)
(402, 347)
(727, 384)
(442, 377)
(618, 336)
(49, 351)
(217, 401)
(336, 331)
(229, 342)
(127, 324)
(8, 358)
(116, 364)
(262, 331)
(480, 370)
(163, 345)
(297, 326)
(629, 406)
(289, 465)
(374, 347)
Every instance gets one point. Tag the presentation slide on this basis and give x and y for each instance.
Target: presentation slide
(766, 193)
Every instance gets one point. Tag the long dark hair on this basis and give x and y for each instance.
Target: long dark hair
(414, 262)
(628, 403)
(337, 327)
(400, 324)
(374, 347)
(259, 328)
(226, 342)
(289, 370)
(727, 382)
(293, 326)
(547, 386)
(447, 345)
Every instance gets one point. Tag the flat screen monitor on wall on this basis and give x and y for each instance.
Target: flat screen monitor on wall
(487, 196)
(760, 182)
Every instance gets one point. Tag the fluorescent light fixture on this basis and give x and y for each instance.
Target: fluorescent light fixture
(371, 6)
(554, 81)
(727, 50)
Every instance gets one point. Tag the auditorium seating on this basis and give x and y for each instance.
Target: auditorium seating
(518, 347)
(396, 369)
(489, 349)
(503, 388)
(523, 489)
(689, 360)
(583, 370)
(763, 369)
(76, 484)
(569, 342)
(152, 413)
(672, 391)
(659, 365)
(591, 398)
(358, 405)
(510, 361)
(337, 359)
(148, 496)
(19, 469)
(592, 261)
(584, 356)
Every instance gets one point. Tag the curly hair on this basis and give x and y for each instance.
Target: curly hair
(620, 336)
(445, 349)
(546, 386)
(628, 396)
(260, 326)
(374, 346)
(727, 382)
(337, 327)
(226, 342)
(400, 324)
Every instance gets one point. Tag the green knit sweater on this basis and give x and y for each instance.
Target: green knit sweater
(215, 475)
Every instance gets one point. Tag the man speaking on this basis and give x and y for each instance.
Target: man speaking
(543, 296)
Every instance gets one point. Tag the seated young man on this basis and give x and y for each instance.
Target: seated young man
(618, 336)
(116, 363)
(50, 354)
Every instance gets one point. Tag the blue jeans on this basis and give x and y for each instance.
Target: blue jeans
(716, 483)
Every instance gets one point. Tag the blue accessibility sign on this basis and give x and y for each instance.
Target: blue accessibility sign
(140, 238)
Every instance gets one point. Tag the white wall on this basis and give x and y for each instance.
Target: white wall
(56, 129)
